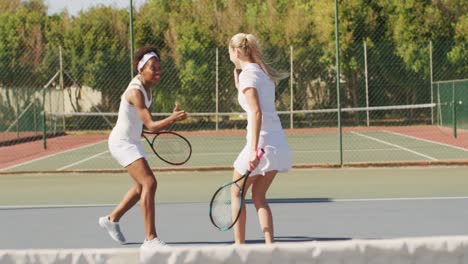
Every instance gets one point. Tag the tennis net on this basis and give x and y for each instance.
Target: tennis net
(380, 135)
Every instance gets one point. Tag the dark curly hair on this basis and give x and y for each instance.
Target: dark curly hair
(141, 52)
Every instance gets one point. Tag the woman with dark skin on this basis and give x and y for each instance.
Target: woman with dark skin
(126, 147)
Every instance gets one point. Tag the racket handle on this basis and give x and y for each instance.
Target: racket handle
(260, 153)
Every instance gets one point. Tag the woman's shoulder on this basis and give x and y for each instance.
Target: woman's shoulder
(135, 81)
(252, 67)
(250, 72)
(134, 86)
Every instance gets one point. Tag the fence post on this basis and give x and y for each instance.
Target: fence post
(439, 105)
(35, 119)
(454, 111)
(217, 89)
(291, 115)
(62, 87)
(43, 115)
(44, 130)
(131, 39)
(367, 84)
(338, 101)
(15, 92)
(432, 88)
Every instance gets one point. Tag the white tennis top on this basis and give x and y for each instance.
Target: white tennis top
(129, 124)
(272, 137)
(253, 76)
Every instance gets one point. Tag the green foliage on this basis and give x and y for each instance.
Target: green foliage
(22, 29)
(95, 46)
(96, 52)
(458, 55)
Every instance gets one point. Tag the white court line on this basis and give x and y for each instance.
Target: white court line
(394, 145)
(81, 161)
(402, 199)
(425, 140)
(8, 207)
(51, 155)
(346, 150)
(298, 151)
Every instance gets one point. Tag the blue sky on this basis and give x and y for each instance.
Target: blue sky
(74, 6)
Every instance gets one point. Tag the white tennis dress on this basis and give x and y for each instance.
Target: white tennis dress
(272, 138)
(125, 139)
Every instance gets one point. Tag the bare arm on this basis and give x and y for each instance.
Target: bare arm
(236, 78)
(136, 98)
(256, 119)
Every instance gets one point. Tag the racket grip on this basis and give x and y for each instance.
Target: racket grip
(260, 153)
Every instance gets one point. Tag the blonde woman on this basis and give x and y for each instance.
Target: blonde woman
(125, 146)
(256, 95)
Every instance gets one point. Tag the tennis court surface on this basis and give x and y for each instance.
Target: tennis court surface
(376, 145)
(52, 211)
(397, 183)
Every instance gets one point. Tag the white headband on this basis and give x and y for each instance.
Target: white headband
(145, 59)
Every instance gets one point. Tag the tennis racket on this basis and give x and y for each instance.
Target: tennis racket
(169, 146)
(224, 210)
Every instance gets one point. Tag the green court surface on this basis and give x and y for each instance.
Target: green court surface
(307, 148)
(197, 186)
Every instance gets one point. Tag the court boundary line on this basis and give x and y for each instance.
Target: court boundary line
(55, 206)
(210, 154)
(425, 140)
(51, 155)
(393, 164)
(395, 145)
(81, 161)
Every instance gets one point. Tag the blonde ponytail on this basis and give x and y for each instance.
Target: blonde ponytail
(249, 47)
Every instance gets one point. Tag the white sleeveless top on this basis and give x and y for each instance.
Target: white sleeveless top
(272, 137)
(252, 76)
(129, 124)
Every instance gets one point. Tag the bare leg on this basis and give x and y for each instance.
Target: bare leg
(128, 201)
(239, 227)
(143, 176)
(265, 218)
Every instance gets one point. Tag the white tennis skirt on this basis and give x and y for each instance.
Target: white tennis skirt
(126, 152)
(277, 154)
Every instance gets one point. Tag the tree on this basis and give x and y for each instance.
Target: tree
(415, 23)
(22, 26)
(96, 52)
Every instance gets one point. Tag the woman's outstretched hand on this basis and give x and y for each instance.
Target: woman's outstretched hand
(178, 115)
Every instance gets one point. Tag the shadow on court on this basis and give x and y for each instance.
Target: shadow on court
(281, 239)
(296, 220)
(299, 200)
(306, 239)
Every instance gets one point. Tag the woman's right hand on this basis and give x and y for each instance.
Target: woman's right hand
(178, 115)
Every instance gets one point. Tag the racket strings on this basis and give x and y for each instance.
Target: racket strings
(223, 206)
(172, 148)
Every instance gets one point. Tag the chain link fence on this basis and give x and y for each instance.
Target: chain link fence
(65, 82)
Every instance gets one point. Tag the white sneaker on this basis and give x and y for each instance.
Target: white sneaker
(113, 228)
(149, 248)
(155, 242)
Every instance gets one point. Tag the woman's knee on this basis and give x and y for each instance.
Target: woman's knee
(235, 191)
(138, 188)
(149, 183)
(259, 199)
